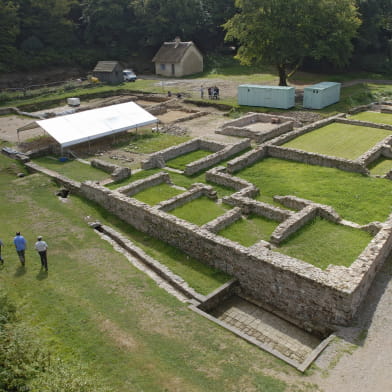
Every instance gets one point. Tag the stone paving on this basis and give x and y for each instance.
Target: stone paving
(267, 328)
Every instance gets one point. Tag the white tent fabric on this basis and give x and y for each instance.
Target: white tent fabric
(92, 124)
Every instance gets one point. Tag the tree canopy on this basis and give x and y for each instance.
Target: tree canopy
(44, 33)
(285, 32)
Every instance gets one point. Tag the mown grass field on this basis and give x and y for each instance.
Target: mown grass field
(375, 117)
(157, 193)
(322, 243)
(355, 197)
(250, 230)
(339, 140)
(200, 211)
(180, 162)
(95, 308)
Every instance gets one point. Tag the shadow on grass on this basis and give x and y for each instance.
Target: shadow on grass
(20, 271)
(42, 274)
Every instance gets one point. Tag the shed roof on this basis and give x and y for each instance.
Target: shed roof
(322, 85)
(172, 52)
(106, 66)
(92, 124)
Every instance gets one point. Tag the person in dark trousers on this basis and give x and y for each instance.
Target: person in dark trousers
(20, 246)
(42, 247)
(1, 259)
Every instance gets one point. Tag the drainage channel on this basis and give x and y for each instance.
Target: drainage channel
(227, 308)
(164, 278)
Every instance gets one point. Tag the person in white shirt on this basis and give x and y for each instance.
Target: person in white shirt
(41, 247)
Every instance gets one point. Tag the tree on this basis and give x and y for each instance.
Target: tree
(9, 30)
(285, 32)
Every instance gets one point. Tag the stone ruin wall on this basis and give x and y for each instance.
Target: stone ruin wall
(116, 172)
(215, 158)
(238, 127)
(140, 185)
(290, 285)
(361, 123)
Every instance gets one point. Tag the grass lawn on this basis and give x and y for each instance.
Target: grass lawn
(322, 243)
(379, 118)
(339, 140)
(74, 169)
(181, 161)
(250, 230)
(94, 307)
(381, 166)
(157, 193)
(355, 197)
(191, 211)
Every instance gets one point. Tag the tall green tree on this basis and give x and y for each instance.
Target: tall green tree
(9, 30)
(285, 32)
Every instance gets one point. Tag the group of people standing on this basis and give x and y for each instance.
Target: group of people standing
(21, 245)
(213, 92)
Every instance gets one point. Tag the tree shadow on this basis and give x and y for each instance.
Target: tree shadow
(20, 271)
(42, 274)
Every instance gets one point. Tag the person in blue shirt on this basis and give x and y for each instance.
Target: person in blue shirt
(20, 246)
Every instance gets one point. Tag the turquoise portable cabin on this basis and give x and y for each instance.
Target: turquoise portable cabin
(268, 96)
(321, 95)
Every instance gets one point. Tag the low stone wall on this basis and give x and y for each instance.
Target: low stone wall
(293, 224)
(257, 136)
(117, 173)
(251, 206)
(252, 118)
(195, 191)
(214, 159)
(386, 109)
(382, 148)
(362, 108)
(363, 123)
(145, 183)
(218, 176)
(290, 285)
(159, 159)
(309, 158)
(247, 159)
(224, 220)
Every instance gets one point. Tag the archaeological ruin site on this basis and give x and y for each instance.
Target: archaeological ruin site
(274, 299)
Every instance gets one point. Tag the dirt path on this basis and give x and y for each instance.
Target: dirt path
(368, 367)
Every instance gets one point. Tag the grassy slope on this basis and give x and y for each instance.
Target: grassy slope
(95, 307)
(356, 197)
(72, 169)
(340, 140)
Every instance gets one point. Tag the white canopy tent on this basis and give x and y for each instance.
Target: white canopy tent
(92, 124)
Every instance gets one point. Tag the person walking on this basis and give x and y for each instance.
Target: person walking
(20, 246)
(1, 259)
(41, 247)
(201, 92)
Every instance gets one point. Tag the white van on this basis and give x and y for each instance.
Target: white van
(129, 75)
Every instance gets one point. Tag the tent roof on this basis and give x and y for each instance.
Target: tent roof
(92, 124)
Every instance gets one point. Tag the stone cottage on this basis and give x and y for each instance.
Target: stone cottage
(109, 72)
(178, 59)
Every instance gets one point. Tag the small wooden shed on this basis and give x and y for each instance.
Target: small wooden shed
(320, 95)
(280, 97)
(178, 59)
(109, 72)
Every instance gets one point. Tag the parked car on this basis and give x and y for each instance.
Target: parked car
(129, 75)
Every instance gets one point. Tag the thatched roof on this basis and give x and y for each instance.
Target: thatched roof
(105, 66)
(172, 52)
